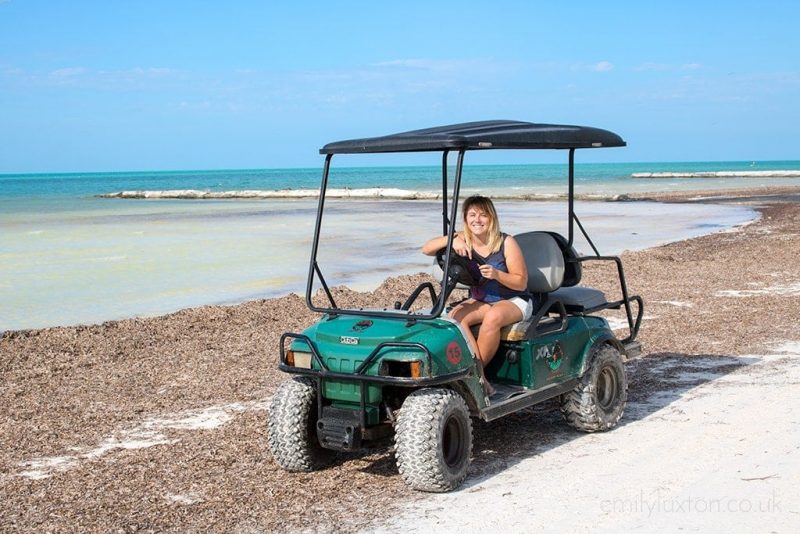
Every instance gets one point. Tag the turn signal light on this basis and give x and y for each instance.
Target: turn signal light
(416, 369)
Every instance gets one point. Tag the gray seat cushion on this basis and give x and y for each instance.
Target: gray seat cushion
(580, 298)
(517, 331)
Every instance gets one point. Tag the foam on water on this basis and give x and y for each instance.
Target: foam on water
(374, 192)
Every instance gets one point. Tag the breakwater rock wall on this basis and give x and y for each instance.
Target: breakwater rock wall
(719, 174)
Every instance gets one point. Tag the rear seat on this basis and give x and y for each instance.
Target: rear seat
(581, 299)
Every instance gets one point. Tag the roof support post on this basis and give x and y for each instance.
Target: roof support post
(445, 219)
(571, 195)
(450, 231)
(312, 268)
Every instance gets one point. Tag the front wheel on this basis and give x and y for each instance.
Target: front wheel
(598, 400)
(433, 440)
(292, 426)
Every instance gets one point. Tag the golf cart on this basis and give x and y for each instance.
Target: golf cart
(363, 375)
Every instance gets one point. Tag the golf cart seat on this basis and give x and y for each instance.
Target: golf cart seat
(545, 262)
(575, 299)
(552, 265)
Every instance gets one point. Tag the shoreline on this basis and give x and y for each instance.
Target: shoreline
(177, 403)
(405, 194)
(749, 196)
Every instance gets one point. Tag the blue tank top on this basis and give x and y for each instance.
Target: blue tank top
(492, 290)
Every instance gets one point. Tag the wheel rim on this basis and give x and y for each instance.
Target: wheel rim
(607, 388)
(453, 442)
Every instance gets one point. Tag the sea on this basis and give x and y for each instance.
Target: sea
(75, 250)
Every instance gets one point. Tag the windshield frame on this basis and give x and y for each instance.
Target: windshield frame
(448, 226)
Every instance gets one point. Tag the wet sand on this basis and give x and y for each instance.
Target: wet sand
(159, 424)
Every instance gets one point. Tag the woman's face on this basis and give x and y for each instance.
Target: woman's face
(478, 221)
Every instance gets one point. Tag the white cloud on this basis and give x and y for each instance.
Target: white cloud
(414, 63)
(418, 63)
(66, 76)
(69, 72)
(194, 106)
(443, 65)
(652, 66)
(385, 82)
(603, 66)
(600, 66)
(664, 67)
(136, 77)
(133, 75)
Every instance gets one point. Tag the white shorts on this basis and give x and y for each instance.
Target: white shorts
(525, 306)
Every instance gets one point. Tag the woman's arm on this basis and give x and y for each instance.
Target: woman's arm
(517, 276)
(438, 243)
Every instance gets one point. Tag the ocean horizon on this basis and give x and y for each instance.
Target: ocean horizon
(69, 256)
(546, 178)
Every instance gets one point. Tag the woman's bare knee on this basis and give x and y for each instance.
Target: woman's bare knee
(493, 319)
(500, 316)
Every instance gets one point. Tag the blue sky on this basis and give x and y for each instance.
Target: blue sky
(105, 86)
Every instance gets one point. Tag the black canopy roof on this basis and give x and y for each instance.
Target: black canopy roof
(480, 136)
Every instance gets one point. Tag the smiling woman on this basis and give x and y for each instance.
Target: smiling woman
(499, 296)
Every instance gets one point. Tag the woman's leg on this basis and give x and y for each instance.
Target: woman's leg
(501, 314)
(470, 313)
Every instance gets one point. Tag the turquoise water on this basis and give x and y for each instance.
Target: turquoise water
(590, 178)
(69, 257)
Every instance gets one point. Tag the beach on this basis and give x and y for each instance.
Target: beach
(159, 423)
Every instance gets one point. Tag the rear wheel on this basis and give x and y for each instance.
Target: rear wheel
(433, 440)
(292, 426)
(598, 400)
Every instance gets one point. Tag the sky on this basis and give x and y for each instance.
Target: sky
(154, 85)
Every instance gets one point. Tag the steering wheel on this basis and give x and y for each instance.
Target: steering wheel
(462, 269)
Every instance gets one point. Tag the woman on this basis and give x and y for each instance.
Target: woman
(503, 298)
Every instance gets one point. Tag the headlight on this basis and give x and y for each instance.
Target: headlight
(296, 358)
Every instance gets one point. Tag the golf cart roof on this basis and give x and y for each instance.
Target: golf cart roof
(480, 136)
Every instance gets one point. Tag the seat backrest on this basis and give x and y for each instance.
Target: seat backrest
(544, 260)
(572, 267)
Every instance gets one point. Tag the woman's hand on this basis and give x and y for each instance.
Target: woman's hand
(487, 271)
(461, 248)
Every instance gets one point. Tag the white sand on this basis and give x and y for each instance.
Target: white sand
(721, 456)
(786, 290)
(148, 434)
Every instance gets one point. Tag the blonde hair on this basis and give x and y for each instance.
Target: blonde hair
(485, 205)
